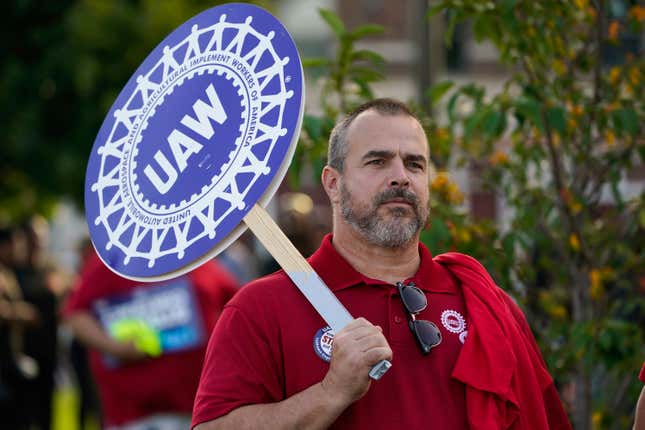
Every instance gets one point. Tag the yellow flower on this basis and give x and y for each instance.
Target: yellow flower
(595, 284)
(596, 418)
(442, 133)
(606, 272)
(499, 157)
(634, 75)
(581, 4)
(574, 242)
(577, 110)
(576, 207)
(612, 107)
(610, 137)
(455, 196)
(558, 311)
(464, 235)
(572, 124)
(559, 67)
(612, 32)
(614, 74)
(446, 189)
(439, 182)
(638, 13)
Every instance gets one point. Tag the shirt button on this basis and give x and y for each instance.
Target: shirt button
(398, 319)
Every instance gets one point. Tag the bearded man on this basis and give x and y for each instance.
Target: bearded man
(462, 354)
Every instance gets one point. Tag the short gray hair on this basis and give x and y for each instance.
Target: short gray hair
(337, 150)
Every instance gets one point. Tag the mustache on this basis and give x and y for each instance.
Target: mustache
(396, 193)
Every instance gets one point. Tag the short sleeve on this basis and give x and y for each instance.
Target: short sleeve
(240, 367)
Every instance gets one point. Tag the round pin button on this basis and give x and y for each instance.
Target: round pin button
(398, 319)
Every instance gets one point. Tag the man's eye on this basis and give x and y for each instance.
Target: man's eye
(376, 162)
(416, 166)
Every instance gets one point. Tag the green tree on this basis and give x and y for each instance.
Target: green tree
(555, 144)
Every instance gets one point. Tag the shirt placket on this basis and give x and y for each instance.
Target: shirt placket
(397, 318)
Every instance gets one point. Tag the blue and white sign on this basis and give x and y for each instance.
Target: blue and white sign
(204, 129)
(170, 310)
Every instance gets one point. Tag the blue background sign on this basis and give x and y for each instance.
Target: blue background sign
(204, 129)
(170, 310)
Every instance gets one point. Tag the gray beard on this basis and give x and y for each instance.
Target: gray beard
(392, 232)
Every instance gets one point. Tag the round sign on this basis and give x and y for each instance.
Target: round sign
(205, 128)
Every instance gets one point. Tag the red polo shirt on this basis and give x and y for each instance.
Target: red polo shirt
(270, 343)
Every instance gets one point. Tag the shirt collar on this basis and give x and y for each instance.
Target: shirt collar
(338, 274)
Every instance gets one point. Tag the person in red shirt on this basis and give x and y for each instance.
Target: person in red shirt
(462, 354)
(146, 384)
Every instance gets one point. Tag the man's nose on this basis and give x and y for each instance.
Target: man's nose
(399, 175)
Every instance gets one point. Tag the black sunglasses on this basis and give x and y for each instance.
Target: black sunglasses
(414, 301)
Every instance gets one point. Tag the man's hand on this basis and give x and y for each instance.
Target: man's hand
(356, 349)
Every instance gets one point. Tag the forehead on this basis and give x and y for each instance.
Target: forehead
(372, 130)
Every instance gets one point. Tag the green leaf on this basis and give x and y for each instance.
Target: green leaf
(556, 118)
(625, 120)
(528, 108)
(483, 28)
(450, 107)
(450, 29)
(473, 122)
(313, 126)
(507, 5)
(437, 236)
(366, 30)
(315, 62)
(364, 89)
(435, 10)
(438, 90)
(493, 123)
(367, 55)
(333, 21)
(508, 244)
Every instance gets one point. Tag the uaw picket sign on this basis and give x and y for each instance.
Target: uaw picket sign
(197, 137)
(193, 148)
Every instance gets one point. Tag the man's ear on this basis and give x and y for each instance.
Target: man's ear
(330, 178)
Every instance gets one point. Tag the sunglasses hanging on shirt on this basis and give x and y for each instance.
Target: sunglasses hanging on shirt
(414, 301)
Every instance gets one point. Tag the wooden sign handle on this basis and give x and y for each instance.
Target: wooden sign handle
(303, 275)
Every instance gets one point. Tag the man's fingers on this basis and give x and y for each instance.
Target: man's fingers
(377, 354)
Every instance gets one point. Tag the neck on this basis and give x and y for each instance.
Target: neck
(386, 264)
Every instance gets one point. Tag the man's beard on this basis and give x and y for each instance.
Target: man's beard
(390, 232)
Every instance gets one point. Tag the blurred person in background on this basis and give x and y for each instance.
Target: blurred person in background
(89, 405)
(146, 376)
(40, 284)
(16, 368)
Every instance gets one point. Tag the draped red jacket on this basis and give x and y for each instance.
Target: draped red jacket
(507, 383)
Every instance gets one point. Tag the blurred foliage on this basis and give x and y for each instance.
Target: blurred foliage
(556, 145)
(62, 64)
(346, 83)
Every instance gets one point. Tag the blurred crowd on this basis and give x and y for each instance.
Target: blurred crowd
(41, 346)
(31, 288)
